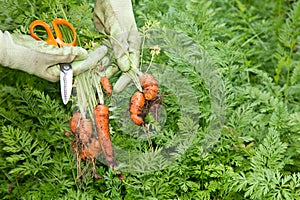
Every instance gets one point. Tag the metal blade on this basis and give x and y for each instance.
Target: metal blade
(66, 81)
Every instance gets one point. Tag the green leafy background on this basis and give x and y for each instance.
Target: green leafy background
(255, 47)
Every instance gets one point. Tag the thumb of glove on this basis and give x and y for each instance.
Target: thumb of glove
(34, 57)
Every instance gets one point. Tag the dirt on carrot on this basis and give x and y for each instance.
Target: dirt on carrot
(85, 130)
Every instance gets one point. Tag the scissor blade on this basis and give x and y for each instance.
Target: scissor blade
(66, 81)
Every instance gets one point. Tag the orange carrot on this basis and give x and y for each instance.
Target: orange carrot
(102, 125)
(91, 150)
(150, 86)
(106, 84)
(137, 103)
(138, 120)
(74, 122)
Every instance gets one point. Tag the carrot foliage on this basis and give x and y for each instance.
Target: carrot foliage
(227, 126)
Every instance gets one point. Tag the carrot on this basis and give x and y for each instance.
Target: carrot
(138, 120)
(150, 92)
(85, 130)
(106, 84)
(137, 103)
(102, 125)
(90, 150)
(81, 126)
(74, 122)
(150, 86)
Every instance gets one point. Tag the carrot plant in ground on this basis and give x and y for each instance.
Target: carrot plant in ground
(255, 47)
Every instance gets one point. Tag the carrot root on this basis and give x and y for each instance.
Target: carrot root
(85, 130)
(106, 84)
(137, 103)
(101, 113)
(150, 86)
(74, 122)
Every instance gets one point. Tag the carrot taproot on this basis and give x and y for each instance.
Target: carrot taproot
(150, 86)
(84, 152)
(101, 115)
(138, 120)
(137, 103)
(106, 84)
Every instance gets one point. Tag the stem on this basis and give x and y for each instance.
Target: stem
(152, 58)
(81, 96)
(142, 52)
(288, 73)
(98, 88)
(90, 94)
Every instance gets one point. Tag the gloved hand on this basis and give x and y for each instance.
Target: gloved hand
(115, 18)
(24, 53)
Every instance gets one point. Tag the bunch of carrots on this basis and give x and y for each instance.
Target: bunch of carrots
(88, 145)
(140, 98)
(90, 123)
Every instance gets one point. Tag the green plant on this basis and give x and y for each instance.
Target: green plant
(264, 179)
(250, 47)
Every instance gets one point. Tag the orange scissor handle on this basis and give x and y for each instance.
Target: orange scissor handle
(58, 41)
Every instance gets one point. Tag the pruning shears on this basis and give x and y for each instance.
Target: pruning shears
(66, 72)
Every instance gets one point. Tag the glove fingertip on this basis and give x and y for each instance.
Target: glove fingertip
(74, 53)
(124, 63)
(100, 51)
(121, 83)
